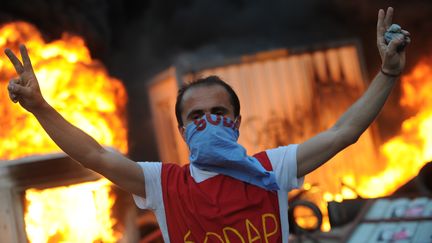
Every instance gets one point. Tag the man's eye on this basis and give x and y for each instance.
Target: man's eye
(196, 116)
(220, 113)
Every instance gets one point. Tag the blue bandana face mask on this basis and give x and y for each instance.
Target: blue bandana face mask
(213, 146)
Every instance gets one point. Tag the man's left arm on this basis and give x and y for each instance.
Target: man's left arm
(316, 151)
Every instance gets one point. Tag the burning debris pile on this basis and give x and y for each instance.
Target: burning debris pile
(74, 84)
(406, 153)
(83, 92)
(76, 213)
(402, 156)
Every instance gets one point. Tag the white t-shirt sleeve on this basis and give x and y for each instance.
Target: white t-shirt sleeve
(153, 186)
(284, 163)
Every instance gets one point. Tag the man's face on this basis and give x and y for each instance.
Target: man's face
(197, 101)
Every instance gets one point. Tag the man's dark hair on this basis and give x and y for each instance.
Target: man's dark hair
(208, 81)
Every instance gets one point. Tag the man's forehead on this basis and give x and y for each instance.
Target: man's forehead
(205, 92)
(203, 96)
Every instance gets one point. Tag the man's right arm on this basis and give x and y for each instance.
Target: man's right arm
(85, 150)
(78, 145)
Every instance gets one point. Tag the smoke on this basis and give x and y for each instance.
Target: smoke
(137, 39)
(86, 18)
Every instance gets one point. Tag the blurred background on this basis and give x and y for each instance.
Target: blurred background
(136, 39)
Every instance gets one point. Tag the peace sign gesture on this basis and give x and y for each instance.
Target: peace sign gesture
(24, 89)
(392, 56)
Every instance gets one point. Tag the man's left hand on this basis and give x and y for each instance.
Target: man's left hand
(392, 57)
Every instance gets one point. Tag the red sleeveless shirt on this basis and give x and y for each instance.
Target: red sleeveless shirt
(219, 209)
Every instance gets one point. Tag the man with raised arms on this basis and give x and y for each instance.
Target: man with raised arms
(223, 195)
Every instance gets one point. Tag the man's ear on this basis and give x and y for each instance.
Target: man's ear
(182, 132)
(238, 122)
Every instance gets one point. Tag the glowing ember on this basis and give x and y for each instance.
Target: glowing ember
(78, 213)
(74, 84)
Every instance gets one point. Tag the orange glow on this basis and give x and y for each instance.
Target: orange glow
(75, 85)
(404, 154)
(77, 213)
(410, 150)
(305, 218)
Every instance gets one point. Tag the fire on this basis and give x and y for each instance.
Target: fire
(83, 92)
(74, 213)
(404, 154)
(409, 151)
(74, 84)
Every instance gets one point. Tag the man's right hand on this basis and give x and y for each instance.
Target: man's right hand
(25, 88)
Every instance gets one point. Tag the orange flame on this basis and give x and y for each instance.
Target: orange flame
(82, 91)
(409, 151)
(74, 84)
(404, 154)
(71, 214)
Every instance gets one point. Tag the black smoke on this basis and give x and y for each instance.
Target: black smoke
(136, 39)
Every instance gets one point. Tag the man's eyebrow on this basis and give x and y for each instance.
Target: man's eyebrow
(219, 108)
